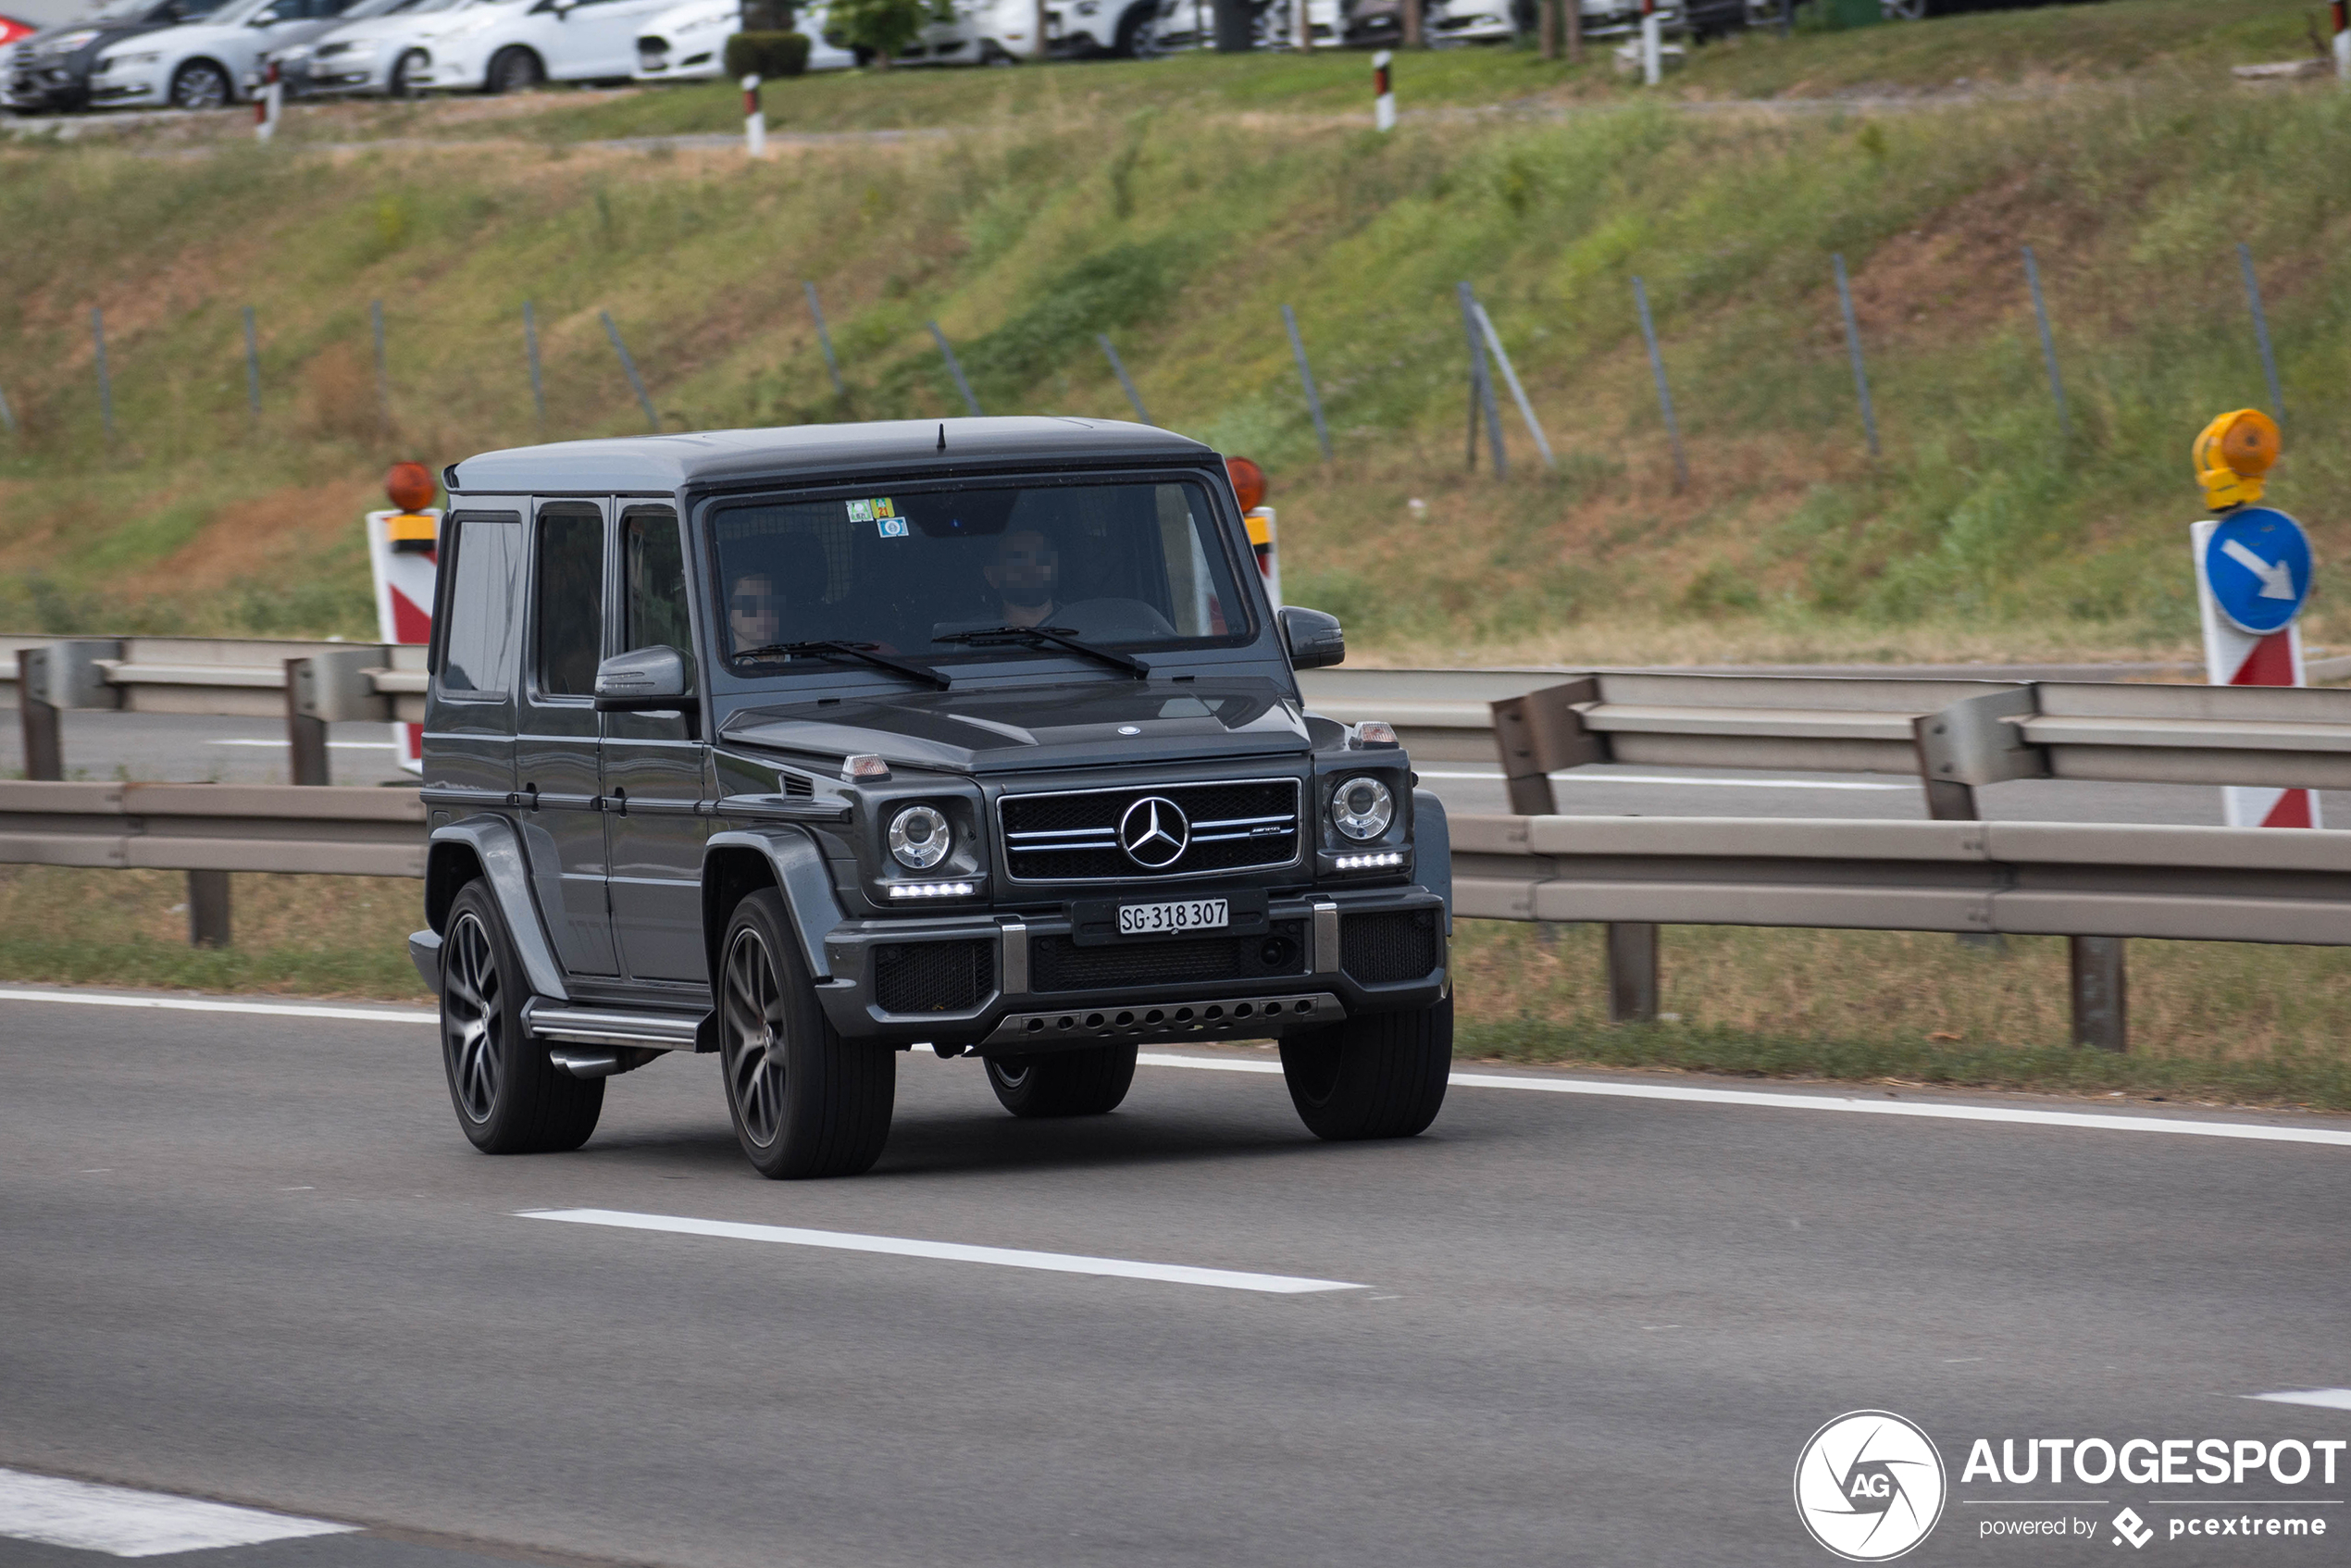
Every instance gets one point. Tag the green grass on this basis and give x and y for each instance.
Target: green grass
(1078, 207)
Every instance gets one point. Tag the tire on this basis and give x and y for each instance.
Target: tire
(1063, 1083)
(1382, 1075)
(402, 82)
(509, 1097)
(513, 69)
(806, 1102)
(200, 84)
(1138, 33)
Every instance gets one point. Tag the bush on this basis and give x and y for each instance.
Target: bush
(766, 55)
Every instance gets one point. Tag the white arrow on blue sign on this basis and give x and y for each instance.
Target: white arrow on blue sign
(2257, 565)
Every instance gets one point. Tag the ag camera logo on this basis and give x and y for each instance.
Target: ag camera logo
(1870, 1486)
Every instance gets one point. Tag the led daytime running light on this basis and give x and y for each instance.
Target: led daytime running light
(1368, 862)
(930, 889)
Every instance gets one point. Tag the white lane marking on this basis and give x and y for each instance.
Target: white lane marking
(196, 1004)
(123, 1523)
(338, 745)
(2254, 1130)
(947, 1251)
(2325, 1399)
(1673, 779)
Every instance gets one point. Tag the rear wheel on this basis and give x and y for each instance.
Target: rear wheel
(1382, 1075)
(514, 70)
(1063, 1083)
(199, 85)
(805, 1101)
(510, 1099)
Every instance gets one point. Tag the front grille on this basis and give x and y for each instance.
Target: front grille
(933, 976)
(1073, 837)
(1377, 950)
(1057, 963)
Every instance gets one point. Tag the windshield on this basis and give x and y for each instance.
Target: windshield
(1136, 566)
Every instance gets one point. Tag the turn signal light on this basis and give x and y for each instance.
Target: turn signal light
(2232, 455)
(410, 486)
(1248, 482)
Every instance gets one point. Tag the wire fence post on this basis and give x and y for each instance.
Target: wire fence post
(253, 369)
(105, 382)
(1118, 368)
(1518, 393)
(1664, 392)
(2048, 344)
(1853, 346)
(824, 336)
(383, 371)
(635, 383)
(2261, 329)
(1306, 380)
(1482, 384)
(954, 368)
(531, 352)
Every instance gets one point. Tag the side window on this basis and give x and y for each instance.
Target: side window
(570, 598)
(478, 640)
(654, 570)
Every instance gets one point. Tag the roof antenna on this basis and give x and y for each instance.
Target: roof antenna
(942, 436)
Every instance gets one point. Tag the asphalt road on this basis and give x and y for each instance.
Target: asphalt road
(250, 1258)
(173, 746)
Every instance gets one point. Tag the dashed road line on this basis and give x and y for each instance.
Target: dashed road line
(947, 1251)
(2325, 1399)
(123, 1522)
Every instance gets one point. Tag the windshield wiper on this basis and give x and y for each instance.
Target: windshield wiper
(1059, 637)
(862, 652)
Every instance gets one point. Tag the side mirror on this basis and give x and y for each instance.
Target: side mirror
(1314, 639)
(641, 681)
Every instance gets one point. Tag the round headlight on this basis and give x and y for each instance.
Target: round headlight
(920, 838)
(1363, 808)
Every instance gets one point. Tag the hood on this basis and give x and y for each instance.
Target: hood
(1006, 729)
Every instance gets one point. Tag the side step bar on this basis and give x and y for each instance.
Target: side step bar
(601, 1041)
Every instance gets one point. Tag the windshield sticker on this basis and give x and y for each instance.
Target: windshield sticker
(861, 511)
(878, 510)
(891, 528)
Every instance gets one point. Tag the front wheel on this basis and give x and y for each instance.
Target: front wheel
(200, 84)
(406, 73)
(805, 1101)
(1063, 1083)
(509, 1097)
(1381, 1075)
(514, 70)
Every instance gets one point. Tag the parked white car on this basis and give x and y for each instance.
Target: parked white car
(511, 45)
(388, 54)
(688, 43)
(206, 64)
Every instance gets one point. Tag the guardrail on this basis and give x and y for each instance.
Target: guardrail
(1954, 736)
(2096, 884)
(311, 684)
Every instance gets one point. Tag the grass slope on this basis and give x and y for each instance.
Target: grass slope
(1072, 206)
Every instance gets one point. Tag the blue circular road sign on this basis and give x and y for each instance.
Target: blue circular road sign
(2258, 566)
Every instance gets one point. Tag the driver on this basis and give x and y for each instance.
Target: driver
(755, 610)
(1025, 571)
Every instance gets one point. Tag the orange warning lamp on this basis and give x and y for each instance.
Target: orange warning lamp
(1248, 482)
(2232, 455)
(411, 490)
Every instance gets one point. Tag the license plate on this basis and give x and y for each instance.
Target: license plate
(1164, 919)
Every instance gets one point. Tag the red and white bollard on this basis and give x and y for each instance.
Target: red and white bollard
(1383, 93)
(2236, 657)
(754, 119)
(268, 104)
(1652, 43)
(2342, 9)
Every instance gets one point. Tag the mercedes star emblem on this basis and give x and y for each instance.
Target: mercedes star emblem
(1155, 832)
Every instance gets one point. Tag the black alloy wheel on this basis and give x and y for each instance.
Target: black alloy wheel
(514, 70)
(199, 85)
(510, 1097)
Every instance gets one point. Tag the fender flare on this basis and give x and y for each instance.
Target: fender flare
(802, 876)
(498, 850)
(1433, 849)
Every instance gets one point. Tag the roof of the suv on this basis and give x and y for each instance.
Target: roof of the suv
(650, 463)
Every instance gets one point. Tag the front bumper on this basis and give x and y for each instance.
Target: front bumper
(132, 86)
(1020, 985)
(31, 88)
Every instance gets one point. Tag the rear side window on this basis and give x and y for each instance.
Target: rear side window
(570, 588)
(479, 641)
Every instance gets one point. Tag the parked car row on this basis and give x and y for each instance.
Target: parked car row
(204, 54)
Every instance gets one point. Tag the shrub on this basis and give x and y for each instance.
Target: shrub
(766, 55)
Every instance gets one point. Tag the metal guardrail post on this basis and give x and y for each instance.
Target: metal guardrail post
(1540, 733)
(207, 909)
(44, 746)
(306, 735)
(1970, 743)
(1631, 973)
(954, 368)
(2101, 1013)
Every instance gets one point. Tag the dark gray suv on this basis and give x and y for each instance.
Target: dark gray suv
(804, 747)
